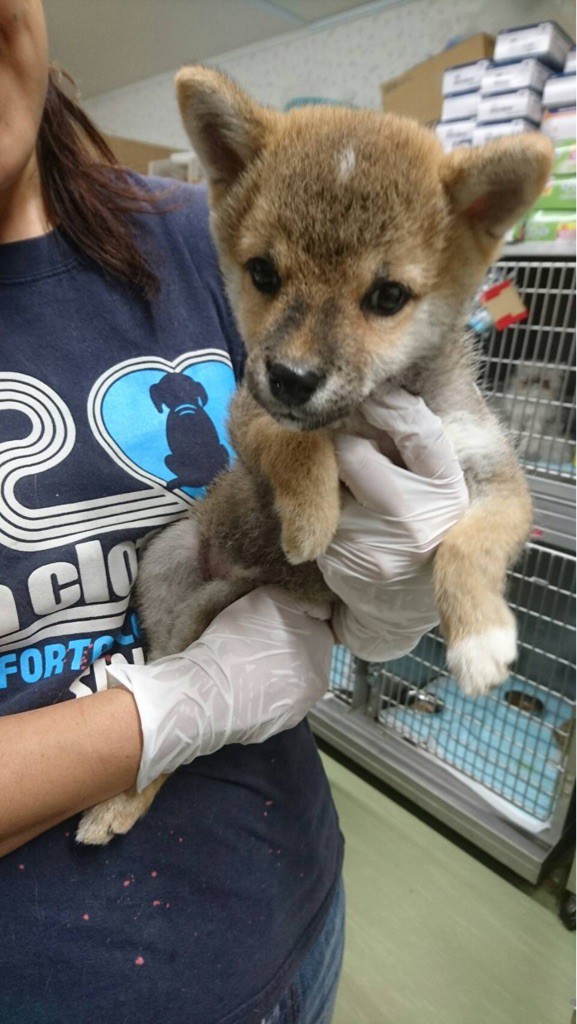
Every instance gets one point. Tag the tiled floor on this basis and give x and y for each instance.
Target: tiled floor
(434, 936)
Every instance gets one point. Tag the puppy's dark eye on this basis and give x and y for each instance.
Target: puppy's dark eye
(264, 275)
(385, 298)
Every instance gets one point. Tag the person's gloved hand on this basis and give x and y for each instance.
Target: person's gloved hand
(256, 670)
(393, 519)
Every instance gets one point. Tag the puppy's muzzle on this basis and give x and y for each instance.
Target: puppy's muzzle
(292, 387)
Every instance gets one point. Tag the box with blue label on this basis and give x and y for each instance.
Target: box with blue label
(510, 105)
(455, 134)
(464, 77)
(559, 194)
(525, 74)
(486, 132)
(559, 125)
(547, 41)
(550, 226)
(564, 164)
(559, 91)
(458, 108)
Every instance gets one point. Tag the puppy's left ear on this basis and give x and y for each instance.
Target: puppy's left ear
(492, 186)
(226, 127)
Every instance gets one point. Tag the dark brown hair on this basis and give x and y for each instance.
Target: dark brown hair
(86, 193)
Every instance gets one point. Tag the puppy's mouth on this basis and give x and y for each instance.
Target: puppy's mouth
(305, 414)
(311, 421)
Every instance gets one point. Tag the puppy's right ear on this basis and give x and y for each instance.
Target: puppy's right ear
(226, 127)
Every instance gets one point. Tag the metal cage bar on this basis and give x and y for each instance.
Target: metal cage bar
(527, 370)
(500, 769)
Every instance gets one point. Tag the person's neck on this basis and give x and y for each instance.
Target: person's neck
(22, 211)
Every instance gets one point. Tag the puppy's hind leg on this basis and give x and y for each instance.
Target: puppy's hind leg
(198, 610)
(116, 816)
(469, 574)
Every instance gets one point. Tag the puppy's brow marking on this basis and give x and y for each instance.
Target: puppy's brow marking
(290, 321)
(347, 163)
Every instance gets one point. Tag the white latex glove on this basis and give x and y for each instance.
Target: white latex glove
(256, 670)
(393, 519)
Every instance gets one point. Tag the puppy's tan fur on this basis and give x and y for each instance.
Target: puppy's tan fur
(339, 199)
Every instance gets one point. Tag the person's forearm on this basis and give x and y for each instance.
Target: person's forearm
(59, 760)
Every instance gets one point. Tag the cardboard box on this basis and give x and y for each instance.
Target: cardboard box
(418, 92)
(526, 74)
(560, 125)
(564, 164)
(459, 108)
(486, 132)
(547, 41)
(559, 194)
(522, 103)
(550, 226)
(137, 155)
(464, 77)
(560, 91)
(455, 134)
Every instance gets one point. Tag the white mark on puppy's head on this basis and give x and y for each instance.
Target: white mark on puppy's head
(346, 163)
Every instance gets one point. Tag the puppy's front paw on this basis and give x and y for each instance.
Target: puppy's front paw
(112, 817)
(481, 661)
(306, 535)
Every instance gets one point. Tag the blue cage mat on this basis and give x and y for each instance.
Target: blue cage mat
(510, 753)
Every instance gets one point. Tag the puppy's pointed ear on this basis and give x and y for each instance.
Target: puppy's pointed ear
(226, 127)
(492, 186)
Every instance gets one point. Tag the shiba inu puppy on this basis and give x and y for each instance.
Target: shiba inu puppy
(351, 246)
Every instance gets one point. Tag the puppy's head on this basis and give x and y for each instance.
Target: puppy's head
(349, 242)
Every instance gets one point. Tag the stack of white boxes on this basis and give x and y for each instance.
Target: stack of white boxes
(553, 219)
(487, 99)
(559, 103)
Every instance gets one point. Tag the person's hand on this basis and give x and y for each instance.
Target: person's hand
(393, 519)
(256, 670)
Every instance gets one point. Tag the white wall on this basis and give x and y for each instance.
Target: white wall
(345, 60)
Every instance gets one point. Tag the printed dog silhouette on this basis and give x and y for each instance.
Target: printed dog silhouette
(196, 452)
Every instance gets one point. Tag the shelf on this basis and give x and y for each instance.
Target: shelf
(540, 250)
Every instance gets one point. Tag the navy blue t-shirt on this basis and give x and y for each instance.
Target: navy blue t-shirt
(203, 912)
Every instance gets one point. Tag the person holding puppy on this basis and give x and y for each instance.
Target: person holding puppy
(225, 903)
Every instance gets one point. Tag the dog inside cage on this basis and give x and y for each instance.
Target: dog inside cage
(528, 369)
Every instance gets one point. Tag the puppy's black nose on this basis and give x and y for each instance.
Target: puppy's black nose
(291, 386)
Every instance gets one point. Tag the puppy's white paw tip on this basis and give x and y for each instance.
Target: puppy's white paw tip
(304, 550)
(113, 817)
(482, 661)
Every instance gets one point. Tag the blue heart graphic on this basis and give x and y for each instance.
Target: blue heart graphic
(137, 421)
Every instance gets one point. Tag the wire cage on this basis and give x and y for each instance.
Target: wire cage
(344, 670)
(511, 745)
(527, 370)
(513, 748)
(498, 769)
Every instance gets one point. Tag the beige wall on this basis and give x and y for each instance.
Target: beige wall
(346, 61)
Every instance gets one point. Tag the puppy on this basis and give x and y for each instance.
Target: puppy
(351, 246)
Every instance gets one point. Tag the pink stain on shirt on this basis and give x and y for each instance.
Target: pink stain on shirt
(139, 961)
(126, 883)
(86, 917)
(21, 867)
